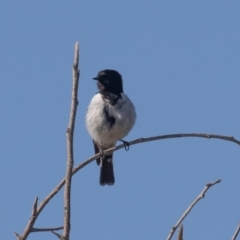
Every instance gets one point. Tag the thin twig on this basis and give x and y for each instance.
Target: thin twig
(180, 233)
(46, 229)
(200, 196)
(31, 221)
(160, 137)
(17, 235)
(36, 211)
(236, 232)
(70, 133)
(58, 235)
(137, 141)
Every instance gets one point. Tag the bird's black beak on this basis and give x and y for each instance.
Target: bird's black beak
(96, 78)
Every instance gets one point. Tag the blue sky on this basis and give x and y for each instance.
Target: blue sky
(180, 65)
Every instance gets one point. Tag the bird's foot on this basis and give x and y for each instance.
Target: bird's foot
(102, 154)
(126, 144)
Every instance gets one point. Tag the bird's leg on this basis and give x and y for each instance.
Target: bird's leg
(101, 151)
(126, 144)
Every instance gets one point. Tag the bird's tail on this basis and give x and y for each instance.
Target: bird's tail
(106, 172)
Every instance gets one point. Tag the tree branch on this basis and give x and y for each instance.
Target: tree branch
(46, 229)
(200, 196)
(36, 211)
(160, 137)
(180, 233)
(70, 133)
(17, 235)
(236, 232)
(58, 235)
(137, 141)
(31, 222)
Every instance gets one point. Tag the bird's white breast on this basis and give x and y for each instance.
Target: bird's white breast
(102, 133)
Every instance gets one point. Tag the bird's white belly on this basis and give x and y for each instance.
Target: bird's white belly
(101, 131)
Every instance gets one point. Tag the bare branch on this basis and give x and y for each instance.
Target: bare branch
(180, 233)
(160, 137)
(58, 235)
(200, 196)
(236, 232)
(46, 229)
(50, 196)
(30, 222)
(137, 141)
(36, 211)
(70, 133)
(178, 135)
(17, 235)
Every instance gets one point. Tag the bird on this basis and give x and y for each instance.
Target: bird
(110, 117)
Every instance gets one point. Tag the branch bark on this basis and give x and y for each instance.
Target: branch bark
(89, 160)
(58, 235)
(70, 160)
(46, 229)
(38, 209)
(160, 137)
(236, 232)
(31, 222)
(200, 196)
(180, 233)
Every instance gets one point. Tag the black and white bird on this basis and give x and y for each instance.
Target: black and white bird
(110, 117)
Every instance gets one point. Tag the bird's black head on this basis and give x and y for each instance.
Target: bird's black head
(110, 81)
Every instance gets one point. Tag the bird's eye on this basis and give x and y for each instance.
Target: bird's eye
(106, 81)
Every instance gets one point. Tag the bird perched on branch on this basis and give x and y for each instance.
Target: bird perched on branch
(110, 117)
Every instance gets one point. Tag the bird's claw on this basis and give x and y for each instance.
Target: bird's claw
(126, 144)
(102, 154)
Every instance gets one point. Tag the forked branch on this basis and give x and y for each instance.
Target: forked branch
(67, 193)
(137, 141)
(70, 171)
(200, 196)
(70, 132)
